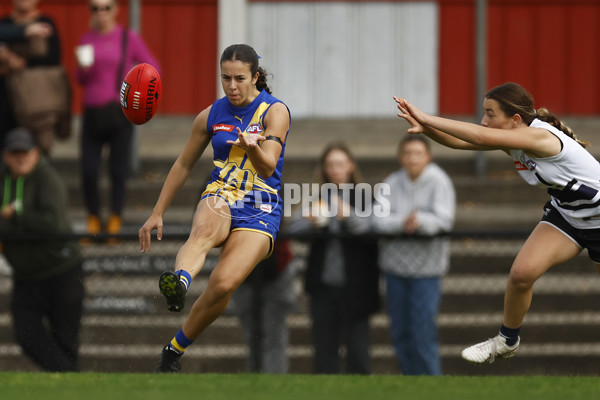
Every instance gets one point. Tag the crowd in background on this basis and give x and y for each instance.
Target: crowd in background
(342, 277)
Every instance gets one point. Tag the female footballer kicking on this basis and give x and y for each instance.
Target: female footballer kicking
(546, 154)
(240, 209)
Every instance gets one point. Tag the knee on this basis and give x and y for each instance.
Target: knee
(202, 233)
(220, 290)
(521, 277)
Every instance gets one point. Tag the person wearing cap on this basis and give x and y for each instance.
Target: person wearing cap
(46, 271)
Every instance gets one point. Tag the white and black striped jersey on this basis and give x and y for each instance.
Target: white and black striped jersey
(572, 178)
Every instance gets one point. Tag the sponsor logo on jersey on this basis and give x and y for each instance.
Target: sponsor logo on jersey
(254, 128)
(520, 166)
(222, 127)
(266, 207)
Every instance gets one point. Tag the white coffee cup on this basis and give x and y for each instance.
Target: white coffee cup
(85, 55)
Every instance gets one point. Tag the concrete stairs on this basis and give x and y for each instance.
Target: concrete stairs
(126, 322)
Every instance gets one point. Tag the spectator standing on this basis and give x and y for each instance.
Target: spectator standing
(47, 295)
(262, 303)
(342, 276)
(105, 55)
(422, 203)
(37, 50)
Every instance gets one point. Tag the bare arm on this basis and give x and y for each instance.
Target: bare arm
(451, 141)
(536, 142)
(436, 135)
(264, 157)
(180, 171)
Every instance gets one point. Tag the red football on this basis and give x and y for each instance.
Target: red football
(141, 92)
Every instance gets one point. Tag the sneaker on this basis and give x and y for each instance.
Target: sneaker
(489, 350)
(173, 289)
(169, 361)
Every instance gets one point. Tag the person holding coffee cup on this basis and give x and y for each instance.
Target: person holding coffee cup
(104, 55)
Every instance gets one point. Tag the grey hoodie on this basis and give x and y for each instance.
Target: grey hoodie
(433, 198)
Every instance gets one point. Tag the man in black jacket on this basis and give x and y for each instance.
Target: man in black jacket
(46, 303)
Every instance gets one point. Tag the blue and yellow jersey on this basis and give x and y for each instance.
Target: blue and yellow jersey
(254, 201)
(234, 176)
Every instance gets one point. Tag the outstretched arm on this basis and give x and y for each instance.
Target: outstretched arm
(434, 134)
(536, 142)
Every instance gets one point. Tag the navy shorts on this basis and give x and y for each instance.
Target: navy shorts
(585, 238)
(263, 217)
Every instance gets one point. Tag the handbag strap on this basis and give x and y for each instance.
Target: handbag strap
(123, 53)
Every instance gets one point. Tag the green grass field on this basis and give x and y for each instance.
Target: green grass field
(90, 386)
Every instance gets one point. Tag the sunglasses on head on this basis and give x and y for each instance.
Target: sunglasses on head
(101, 8)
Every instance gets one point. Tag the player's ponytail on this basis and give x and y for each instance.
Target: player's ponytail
(546, 115)
(261, 83)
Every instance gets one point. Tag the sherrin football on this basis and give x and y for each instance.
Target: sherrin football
(141, 92)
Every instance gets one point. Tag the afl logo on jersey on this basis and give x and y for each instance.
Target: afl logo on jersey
(254, 128)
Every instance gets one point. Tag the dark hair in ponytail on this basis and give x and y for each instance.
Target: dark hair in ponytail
(247, 55)
(547, 116)
(261, 82)
(514, 99)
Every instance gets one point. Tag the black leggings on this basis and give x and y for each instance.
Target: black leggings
(47, 317)
(105, 126)
(334, 325)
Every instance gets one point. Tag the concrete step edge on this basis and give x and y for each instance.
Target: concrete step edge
(198, 351)
(303, 321)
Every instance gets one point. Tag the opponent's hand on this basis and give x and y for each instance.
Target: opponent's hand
(246, 142)
(145, 233)
(411, 114)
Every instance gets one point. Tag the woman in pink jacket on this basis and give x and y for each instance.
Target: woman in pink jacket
(104, 55)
